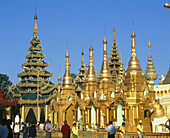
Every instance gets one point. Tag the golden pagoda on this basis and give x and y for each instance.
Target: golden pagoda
(34, 90)
(138, 99)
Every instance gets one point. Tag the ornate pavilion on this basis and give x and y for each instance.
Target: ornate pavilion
(116, 94)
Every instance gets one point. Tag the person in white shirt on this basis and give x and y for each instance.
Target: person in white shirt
(16, 130)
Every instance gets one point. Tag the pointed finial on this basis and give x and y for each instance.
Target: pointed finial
(91, 48)
(67, 54)
(35, 24)
(105, 41)
(90, 40)
(82, 53)
(59, 76)
(149, 44)
(114, 36)
(105, 30)
(133, 33)
(59, 68)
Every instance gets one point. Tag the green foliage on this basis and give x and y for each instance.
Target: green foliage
(5, 82)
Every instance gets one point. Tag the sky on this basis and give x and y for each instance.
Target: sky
(77, 21)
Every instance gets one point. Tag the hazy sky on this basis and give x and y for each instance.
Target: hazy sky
(77, 21)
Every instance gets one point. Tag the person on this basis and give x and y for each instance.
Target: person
(75, 131)
(16, 130)
(167, 126)
(21, 130)
(65, 130)
(32, 131)
(4, 130)
(48, 129)
(9, 123)
(111, 130)
(24, 130)
(140, 129)
(122, 130)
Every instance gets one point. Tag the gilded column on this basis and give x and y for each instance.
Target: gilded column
(8, 116)
(89, 117)
(46, 112)
(56, 117)
(108, 115)
(98, 118)
(64, 115)
(83, 118)
(23, 113)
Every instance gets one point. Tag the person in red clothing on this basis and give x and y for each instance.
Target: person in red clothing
(65, 130)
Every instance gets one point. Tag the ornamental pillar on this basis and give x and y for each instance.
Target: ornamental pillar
(83, 118)
(98, 118)
(23, 113)
(46, 112)
(64, 115)
(8, 116)
(107, 121)
(38, 114)
(89, 117)
(56, 117)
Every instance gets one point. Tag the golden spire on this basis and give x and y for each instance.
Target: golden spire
(134, 63)
(35, 25)
(105, 72)
(151, 74)
(87, 66)
(59, 76)
(114, 36)
(67, 79)
(82, 59)
(91, 76)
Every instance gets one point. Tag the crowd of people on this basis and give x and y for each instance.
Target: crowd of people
(29, 130)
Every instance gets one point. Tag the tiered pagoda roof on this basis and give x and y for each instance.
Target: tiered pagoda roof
(34, 77)
(115, 63)
(151, 74)
(82, 74)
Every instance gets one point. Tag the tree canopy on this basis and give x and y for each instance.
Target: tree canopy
(5, 82)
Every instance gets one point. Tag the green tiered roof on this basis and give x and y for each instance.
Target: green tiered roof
(34, 68)
(82, 74)
(115, 63)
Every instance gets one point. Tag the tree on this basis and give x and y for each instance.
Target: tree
(5, 82)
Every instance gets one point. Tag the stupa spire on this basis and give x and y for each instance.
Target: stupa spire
(114, 36)
(67, 79)
(35, 24)
(134, 63)
(82, 59)
(91, 76)
(105, 72)
(151, 74)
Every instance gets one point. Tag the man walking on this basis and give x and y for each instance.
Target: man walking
(48, 129)
(111, 130)
(65, 130)
(4, 130)
(140, 129)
